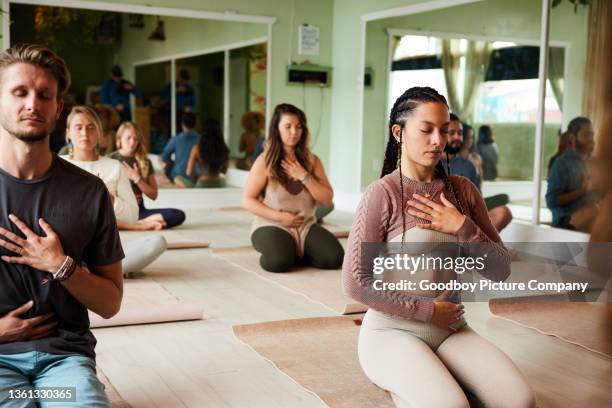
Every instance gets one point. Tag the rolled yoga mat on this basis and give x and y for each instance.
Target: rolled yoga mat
(318, 285)
(579, 323)
(321, 355)
(146, 301)
(112, 394)
(174, 239)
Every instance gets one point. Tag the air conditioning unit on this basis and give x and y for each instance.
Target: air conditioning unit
(302, 74)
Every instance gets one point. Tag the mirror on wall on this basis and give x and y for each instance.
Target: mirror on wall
(489, 75)
(218, 68)
(247, 96)
(154, 116)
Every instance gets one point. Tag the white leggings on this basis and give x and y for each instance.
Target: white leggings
(140, 252)
(395, 359)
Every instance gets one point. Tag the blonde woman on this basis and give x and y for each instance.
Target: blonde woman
(83, 127)
(133, 157)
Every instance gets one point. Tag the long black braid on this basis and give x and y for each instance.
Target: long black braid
(402, 108)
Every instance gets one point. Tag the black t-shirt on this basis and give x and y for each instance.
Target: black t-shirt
(78, 207)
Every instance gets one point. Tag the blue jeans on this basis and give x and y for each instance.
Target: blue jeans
(35, 369)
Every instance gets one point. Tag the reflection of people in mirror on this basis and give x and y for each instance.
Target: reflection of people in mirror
(253, 124)
(570, 194)
(116, 93)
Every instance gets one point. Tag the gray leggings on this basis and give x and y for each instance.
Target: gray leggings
(141, 252)
(279, 253)
(397, 355)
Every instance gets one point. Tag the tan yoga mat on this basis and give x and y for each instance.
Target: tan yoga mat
(178, 240)
(318, 285)
(337, 230)
(321, 355)
(174, 239)
(579, 323)
(112, 394)
(146, 301)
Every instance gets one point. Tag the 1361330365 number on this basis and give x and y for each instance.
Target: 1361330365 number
(45, 394)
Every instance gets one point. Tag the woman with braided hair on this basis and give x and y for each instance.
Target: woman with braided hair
(416, 343)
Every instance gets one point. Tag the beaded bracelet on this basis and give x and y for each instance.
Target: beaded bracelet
(64, 272)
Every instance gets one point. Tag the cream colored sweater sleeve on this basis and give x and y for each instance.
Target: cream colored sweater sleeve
(126, 206)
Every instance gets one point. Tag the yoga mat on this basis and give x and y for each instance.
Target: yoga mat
(318, 285)
(231, 209)
(174, 239)
(112, 394)
(579, 323)
(146, 301)
(337, 230)
(321, 355)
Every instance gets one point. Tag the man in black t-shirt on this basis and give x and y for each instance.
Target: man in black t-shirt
(59, 245)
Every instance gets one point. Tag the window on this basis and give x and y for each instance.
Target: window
(416, 62)
(514, 101)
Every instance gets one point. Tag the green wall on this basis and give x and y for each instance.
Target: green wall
(519, 19)
(153, 77)
(345, 127)
(183, 35)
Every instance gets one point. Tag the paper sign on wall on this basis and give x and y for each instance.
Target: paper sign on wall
(308, 43)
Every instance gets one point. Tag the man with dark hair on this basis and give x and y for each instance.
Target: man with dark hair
(180, 145)
(59, 245)
(460, 165)
(188, 121)
(579, 124)
(569, 193)
(116, 93)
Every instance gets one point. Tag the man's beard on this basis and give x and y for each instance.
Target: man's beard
(453, 150)
(583, 147)
(31, 138)
(27, 137)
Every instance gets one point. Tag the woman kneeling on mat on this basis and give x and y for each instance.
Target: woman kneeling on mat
(416, 343)
(139, 169)
(285, 184)
(83, 127)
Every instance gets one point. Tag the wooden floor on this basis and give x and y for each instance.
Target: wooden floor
(201, 363)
